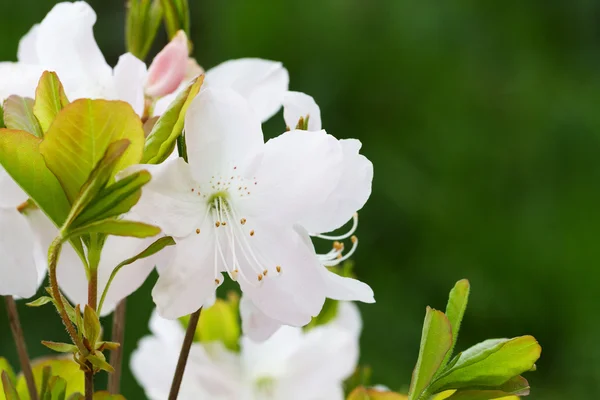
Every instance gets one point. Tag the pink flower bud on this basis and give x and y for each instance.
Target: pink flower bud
(169, 67)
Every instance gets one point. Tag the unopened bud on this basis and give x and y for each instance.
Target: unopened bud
(169, 67)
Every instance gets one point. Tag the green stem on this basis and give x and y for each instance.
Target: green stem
(92, 302)
(17, 331)
(53, 254)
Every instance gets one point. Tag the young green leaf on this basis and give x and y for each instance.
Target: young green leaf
(436, 341)
(46, 375)
(176, 15)
(60, 347)
(101, 346)
(114, 200)
(10, 392)
(2, 117)
(39, 301)
(61, 366)
(57, 389)
(490, 363)
(98, 178)
(20, 156)
(18, 115)
(455, 310)
(118, 227)
(107, 396)
(143, 21)
(362, 393)
(517, 386)
(154, 248)
(99, 362)
(80, 135)
(76, 396)
(161, 141)
(91, 326)
(50, 98)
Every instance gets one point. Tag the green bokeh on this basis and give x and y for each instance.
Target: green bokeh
(482, 121)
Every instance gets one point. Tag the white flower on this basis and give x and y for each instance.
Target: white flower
(291, 365)
(241, 206)
(64, 42)
(262, 83)
(18, 273)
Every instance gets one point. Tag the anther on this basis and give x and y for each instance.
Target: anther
(265, 272)
(252, 232)
(197, 231)
(338, 246)
(217, 281)
(243, 221)
(353, 239)
(192, 189)
(260, 277)
(217, 224)
(278, 268)
(224, 223)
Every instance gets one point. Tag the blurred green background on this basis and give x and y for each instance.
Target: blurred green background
(482, 121)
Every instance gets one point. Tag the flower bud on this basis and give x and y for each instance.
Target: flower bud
(169, 67)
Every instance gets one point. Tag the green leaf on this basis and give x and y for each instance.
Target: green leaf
(101, 346)
(80, 135)
(154, 248)
(76, 396)
(10, 392)
(60, 347)
(18, 115)
(57, 389)
(99, 177)
(39, 301)
(118, 227)
(362, 393)
(220, 323)
(327, 314)
(436, 341)
(5, 367)
(142, 24)
(50, 98)
(46, 375)
(20, 156)
(114, 200)
(176, 16)
(455, 310)
(161, 141)
(99, 362)
(91, 326)
(107, 396)
(63, 367)
(517, 386)
(2, 117)
(490, 363)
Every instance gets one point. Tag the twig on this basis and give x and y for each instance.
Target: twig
(17, 331)
(183, 356)
(116, 356)
(89, 384)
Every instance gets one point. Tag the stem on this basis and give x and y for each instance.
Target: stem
(17, 331)
(53, 254)
(116, 357)
(183, 356)
(92, 302)
(89, 384)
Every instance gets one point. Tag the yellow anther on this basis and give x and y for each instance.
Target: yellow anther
(243, 221)
(260, 277)
(217, 224)
(197, 231)
(252, 232)
(278, 268)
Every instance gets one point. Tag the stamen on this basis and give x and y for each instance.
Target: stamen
(243, 221)
(278, 268)
(198, 231)
(345, 235)
(217, 224)
(252, 232)
(340, 258)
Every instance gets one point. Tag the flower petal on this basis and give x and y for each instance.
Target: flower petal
(255, 324)
(129, 76)
(18, 79)
(294, 295)
(170, 200)
(298, 172)
(262, 82)
(27, 52)
(348, 289)
(297, 105)
(18, 273)
(348, 318)
(66, 44)
(169, 67)
(11, 194)
(350, 194)
(189, 280)
(220, 131)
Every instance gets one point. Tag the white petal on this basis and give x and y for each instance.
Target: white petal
(348, 318)
(27, 52)
(220, 131)
(189, 280)
(18, 274)
(348, 289)
(131, 277)
(129, 77)
(153, 364)
(255, 324)
(171, 199)
(296, 105)
(262, 82)
(272, 357)
(11, 194)
(350, 194)
(215, 369)
(66, 44)
(169, 331)
(326, 358)
(297, 293)
(299, 170)
(18, 79)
